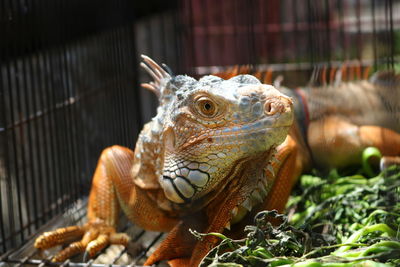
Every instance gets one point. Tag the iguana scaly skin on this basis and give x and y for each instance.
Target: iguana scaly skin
(208, 158)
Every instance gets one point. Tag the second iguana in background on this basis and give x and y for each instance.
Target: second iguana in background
(217, 152)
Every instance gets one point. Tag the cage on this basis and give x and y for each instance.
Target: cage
(69, 87)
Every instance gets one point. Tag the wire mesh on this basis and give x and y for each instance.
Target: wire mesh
(45, 141)
(69, 84)
(226, 33)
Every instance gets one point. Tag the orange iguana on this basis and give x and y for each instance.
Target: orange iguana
(218, 151)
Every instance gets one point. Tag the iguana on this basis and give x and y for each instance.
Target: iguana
(219, 150)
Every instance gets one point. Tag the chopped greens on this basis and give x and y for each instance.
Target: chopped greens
(335, 221)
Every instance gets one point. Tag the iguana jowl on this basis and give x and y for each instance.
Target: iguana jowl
(203, 162)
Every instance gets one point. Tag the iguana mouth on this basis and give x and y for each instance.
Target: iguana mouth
(255, 128)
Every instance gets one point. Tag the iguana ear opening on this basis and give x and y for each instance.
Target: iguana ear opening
(169, 139)
(155, 71)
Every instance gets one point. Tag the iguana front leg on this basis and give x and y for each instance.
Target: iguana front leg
(113, 188)
(178, 246)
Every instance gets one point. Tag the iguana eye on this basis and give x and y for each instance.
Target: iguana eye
(206, 107)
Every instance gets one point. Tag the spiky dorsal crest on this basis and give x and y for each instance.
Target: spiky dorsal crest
(335, 74)
(158, 73)
(264, 76)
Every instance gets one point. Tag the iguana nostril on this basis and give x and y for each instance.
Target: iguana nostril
(275, 105)
(270, 108)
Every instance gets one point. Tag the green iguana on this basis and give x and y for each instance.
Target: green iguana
(220, 150)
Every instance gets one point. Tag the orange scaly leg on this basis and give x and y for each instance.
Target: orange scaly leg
(335, 142)
(112, 186)
(178, 246)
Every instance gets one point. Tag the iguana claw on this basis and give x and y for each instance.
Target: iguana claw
(94, 238)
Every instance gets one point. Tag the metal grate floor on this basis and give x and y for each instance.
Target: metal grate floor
(142, 245)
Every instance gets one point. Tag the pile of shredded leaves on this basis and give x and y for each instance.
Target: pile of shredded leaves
(332, 221)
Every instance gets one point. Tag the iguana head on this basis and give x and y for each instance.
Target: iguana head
(211, 127)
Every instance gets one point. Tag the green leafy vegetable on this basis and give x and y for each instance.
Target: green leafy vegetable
(334, 221)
